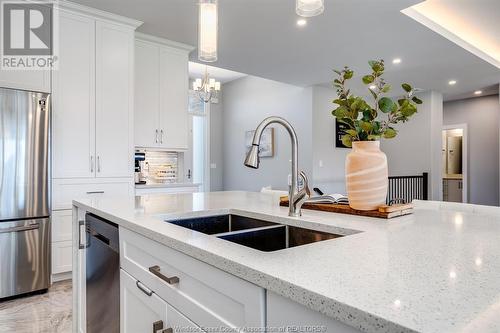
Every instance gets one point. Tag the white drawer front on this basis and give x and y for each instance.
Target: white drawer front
(64, 193)
(141, 308)
(206, 295)
(62, 257)
(61, 225)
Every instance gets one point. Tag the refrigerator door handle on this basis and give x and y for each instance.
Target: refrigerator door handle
(21, 228)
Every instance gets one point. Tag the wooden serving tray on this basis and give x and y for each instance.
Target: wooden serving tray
(384, 212)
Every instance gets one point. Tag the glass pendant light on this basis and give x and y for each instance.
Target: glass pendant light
(309, 8)
(207, 30)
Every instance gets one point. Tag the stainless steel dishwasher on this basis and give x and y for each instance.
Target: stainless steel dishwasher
(103, 275)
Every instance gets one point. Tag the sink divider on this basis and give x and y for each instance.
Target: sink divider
(243, 231)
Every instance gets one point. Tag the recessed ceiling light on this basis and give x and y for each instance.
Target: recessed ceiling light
(301, 22)
(373, 86)
(396, 61)
(478, 92)
(452, 82)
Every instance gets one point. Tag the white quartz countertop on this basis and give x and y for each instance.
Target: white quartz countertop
(437, 270)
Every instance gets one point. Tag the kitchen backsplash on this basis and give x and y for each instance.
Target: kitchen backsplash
(161, 166)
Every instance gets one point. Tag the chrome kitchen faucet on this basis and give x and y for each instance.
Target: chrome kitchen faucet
(296, 197)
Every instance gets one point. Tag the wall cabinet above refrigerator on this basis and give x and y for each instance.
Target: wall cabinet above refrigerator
(161, 93)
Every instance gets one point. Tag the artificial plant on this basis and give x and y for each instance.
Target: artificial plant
(361, 118)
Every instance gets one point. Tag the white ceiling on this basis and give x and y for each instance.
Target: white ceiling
(260, 37)
(472, 26)
(197, 70)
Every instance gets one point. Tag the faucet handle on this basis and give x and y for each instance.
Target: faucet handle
(305, 183)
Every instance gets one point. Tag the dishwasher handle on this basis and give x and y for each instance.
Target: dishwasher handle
(156, 271)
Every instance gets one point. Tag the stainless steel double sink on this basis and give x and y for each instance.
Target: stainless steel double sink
(254, 233)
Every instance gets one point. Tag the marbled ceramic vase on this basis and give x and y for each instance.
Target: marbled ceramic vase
(366, 175)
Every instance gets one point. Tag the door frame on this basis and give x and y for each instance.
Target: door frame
(205, 187)
(465, 169)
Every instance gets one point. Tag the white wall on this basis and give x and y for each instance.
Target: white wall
(330, 177)
(247, 101)
(481, 114)
(216, 145)
(417, 147)
(412, 152)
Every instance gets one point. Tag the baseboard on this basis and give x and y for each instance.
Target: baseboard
(61, 276)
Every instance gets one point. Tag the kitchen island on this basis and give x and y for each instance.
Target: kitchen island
(434, 271)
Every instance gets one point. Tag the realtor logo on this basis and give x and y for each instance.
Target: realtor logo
(27, 35)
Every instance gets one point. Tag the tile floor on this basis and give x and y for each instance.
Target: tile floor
(46, 313)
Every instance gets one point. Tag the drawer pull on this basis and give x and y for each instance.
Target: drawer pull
(157, 325)
(143, 288)
(156, 271)
(95, 192)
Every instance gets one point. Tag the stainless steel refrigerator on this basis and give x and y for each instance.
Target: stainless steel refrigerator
(24, 192)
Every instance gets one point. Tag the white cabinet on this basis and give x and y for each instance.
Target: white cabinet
(141, 310)
(114, 100)
(206, 295)
(93, 99)
(61, 244)
(161, 93)
(73, 124)
(147, 94)
(33, 80)
(288, 315)
(174, 87)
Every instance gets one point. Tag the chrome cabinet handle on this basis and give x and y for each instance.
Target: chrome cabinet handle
(95, 192)
(81, 224)
(156, 271)
(98, 163)
(161, 136)
(156, 136)
(143, 288)
(91, 164)
(22, 228)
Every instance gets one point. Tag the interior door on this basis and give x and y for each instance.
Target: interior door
(454, 163)
(174, 87)
(147, 94)
(114, 100)
(73, 130)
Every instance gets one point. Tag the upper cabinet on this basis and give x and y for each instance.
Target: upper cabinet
(161, 93)
(93, 98)
(74, 99)
(32, 80)
(114, 100)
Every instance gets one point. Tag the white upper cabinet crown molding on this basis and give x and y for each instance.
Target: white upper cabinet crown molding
(98, 14)
(173, 45)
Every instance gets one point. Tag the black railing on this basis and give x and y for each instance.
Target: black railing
(408, 188)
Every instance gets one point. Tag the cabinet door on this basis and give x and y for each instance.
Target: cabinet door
(33, 80)
(174, 99)
(74, 99)
(147, 94)
(114, 100)
(139, 308)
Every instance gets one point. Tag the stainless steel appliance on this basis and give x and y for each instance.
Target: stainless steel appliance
(24, 192)
(103, 276)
